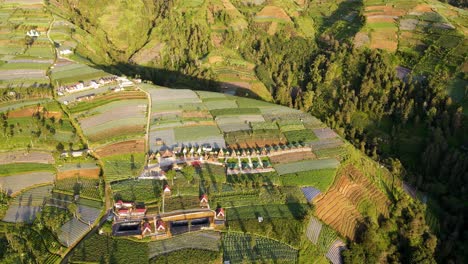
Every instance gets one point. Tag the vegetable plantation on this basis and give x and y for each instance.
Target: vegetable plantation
(238, 248)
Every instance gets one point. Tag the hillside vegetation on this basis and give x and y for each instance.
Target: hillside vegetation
(390, 76)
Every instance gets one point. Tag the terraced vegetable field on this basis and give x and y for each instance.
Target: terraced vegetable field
(15, 183)
(306, 165)
(72, 231)
(239, 248)
(206, 240)
(24, 207)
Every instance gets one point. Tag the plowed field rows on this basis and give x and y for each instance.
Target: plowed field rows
(338, 207)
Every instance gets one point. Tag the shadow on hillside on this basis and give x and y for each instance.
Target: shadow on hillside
(177, 80)
(349, 14)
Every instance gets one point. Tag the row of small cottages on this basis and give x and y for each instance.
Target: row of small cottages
(93, 84)
(225, 152)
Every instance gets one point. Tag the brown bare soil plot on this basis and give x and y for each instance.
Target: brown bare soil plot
(292, 157)
(84, 173)
(338, 207)
(25, 157)
(380, 18)
(386, 39)
(384, 10)
(131, 146)
(30, 111)
(190, 114)
(273, 12)
(422, 8)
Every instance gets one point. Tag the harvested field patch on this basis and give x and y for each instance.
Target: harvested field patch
(84, 173)
(306, 166)
(408, 24)
(383, 10)
(25, 157)
(131, 146)
(292, 157)
(325, 133)
(422, 8)
(274, 12)
(381, 18)
(206, 240)
(25, 206)
(15, 183)
(361, 39)
(30, 111)
(107, 132)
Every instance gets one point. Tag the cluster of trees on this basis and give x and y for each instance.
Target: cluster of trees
(403, 238)
(459, 3)
(356, 92)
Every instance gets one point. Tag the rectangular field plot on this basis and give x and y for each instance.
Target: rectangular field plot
(320, 179)
(310, 193)
(195, 133)
(75, 72)
(121, 167)
(114, 128)
(293, 210)
(205, 240)
(210, 95)
(25, 206)
(161, 95)
(87, 188)
(15, 183)
(220, 104)
(147, 191)
(72, 231)
(10, 169)
(303, 135)
(101, 116)
(239, 247)
(235, 111)
(25, 157)
(306, 166)
(290, 125)
(325, 133)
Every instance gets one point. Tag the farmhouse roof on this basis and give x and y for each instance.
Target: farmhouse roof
(204, 198)
(166, 188)
(220, 212)
(160, 225)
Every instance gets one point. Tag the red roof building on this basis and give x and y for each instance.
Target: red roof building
(146, 228)
(160, 226)
(123, 212)
(120, 204)
(167, 189)
(220, 213)
(139, 212)
(204, 198)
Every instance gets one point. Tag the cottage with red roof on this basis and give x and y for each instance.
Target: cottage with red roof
(204, 201)
(167, 190)
(146, 228)
(220, 213)
(160, 226)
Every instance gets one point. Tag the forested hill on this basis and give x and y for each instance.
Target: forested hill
(390, 76)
